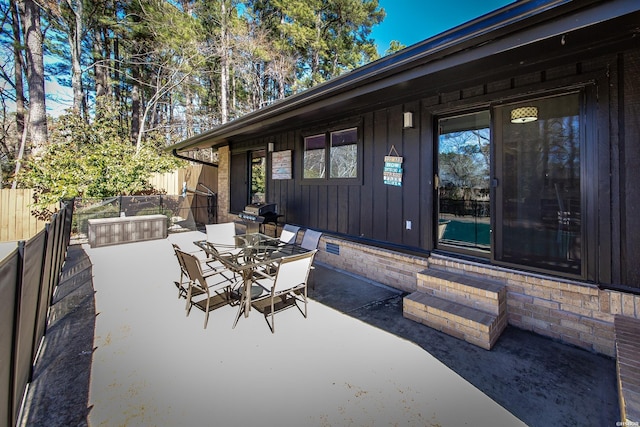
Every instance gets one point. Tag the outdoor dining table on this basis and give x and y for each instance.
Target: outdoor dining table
(252, 251)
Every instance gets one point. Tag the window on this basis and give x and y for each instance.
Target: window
(314, 150)
(342, 160)
(344, 154)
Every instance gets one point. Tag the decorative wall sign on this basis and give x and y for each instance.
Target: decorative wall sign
(392, 174)
(281, 165)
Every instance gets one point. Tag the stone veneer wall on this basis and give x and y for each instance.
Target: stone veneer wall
(573, 312)
(381, 265)
(223, 185)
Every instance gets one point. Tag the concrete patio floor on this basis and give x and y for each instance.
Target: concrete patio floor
(354, 361)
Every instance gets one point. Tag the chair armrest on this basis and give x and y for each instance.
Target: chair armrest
(264, 275)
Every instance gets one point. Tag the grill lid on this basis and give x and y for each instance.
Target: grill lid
(261, 209)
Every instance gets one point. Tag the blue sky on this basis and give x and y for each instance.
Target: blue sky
(411, 21)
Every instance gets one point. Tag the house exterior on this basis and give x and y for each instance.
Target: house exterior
(495, 167)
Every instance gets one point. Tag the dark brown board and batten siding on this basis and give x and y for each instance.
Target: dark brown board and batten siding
(378, 212)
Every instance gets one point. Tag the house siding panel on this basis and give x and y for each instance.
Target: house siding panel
(395, 195)
(374, 211)
(380, 149)
(630, 159)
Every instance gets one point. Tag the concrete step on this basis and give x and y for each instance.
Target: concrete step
(466, 323)
(479, 293)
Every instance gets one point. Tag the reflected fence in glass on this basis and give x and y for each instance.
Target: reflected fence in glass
(465, 223)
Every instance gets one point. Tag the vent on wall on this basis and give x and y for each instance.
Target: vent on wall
(332, 248)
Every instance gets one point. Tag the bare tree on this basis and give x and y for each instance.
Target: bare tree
(75, 13)
(29, 13)
(17, 68)
(224, 62)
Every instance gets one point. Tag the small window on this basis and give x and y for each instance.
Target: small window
(342, 159)
(344, 154)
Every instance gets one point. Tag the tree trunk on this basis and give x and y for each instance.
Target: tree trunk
(100, 58)
(136, 106)
(18, 67)
(30, 14)
(189, 111)
(116, 69)
(23, 143)
(224, 64)
(75, 45)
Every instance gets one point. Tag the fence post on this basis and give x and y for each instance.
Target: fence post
(10, 277)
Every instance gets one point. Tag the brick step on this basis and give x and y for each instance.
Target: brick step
(466, 323)
(479, 293)
(627, 331)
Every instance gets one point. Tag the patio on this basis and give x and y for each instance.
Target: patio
(354, 361)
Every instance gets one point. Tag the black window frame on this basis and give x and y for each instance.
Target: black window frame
(240, 176)
(327, 132)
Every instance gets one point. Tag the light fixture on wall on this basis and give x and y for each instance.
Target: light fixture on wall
(270, 147)
(524, 114)
(407, 119)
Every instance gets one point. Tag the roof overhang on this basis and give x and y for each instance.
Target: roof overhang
(511, 28)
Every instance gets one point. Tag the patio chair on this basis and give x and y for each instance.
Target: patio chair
(183, 283)
(223, 237)
(223, 234)
(285, 288)
(289, 234)
(310, 241)
(215, 294)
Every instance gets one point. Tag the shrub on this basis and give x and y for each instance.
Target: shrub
(81, 217)
(155, 211)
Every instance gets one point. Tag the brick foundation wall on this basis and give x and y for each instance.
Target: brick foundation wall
(573, 312)
(383, 266)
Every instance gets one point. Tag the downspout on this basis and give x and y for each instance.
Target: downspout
(202, 162)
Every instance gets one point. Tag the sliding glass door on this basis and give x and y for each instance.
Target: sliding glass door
(463, 191)
(538, 192)
(509, 184)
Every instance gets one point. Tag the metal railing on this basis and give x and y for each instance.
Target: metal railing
(29, 275)
(188, 211)
(457, 207)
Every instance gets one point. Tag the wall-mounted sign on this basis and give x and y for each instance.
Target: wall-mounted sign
(392, 174)
(281, 165)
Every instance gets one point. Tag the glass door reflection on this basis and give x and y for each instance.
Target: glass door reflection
(463, 192)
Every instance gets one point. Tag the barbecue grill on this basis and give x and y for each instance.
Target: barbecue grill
(256, 215)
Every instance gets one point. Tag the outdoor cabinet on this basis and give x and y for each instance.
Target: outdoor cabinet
(112, 231)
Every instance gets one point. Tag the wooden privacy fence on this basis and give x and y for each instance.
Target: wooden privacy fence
(28, 277)
(171, 182)
(16, 221)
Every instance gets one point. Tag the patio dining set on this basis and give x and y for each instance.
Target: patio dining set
(249, 270)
